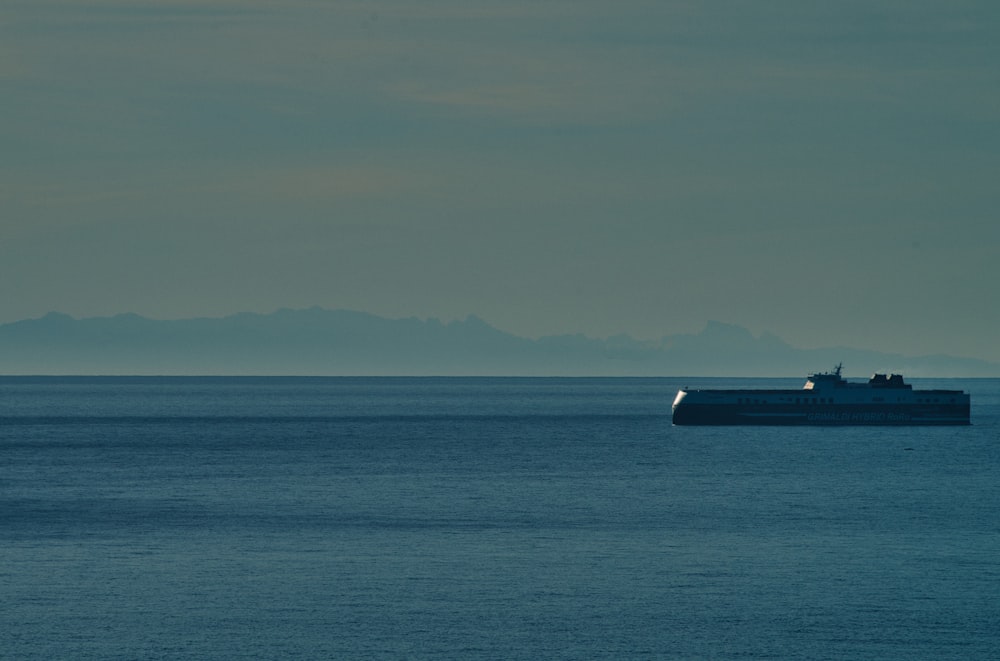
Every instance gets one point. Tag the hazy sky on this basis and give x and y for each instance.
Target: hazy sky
(826, 171)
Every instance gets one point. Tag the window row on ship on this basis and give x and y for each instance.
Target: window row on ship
(829, 400)
(798, 400)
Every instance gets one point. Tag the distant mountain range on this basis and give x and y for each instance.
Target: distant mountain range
(343, 342)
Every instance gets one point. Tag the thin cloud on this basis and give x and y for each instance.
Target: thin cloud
(317, 183)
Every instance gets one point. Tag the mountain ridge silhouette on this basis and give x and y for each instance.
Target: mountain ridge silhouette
(318, 341)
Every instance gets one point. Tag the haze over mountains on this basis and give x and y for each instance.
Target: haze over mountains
(317, 341)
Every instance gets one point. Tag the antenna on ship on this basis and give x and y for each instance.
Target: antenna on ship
(836, 370)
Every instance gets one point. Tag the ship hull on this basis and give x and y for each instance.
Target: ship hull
(827, 415)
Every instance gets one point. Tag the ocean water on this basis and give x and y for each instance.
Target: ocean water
(167, 518)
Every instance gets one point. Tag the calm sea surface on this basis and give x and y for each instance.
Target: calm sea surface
(483, 518)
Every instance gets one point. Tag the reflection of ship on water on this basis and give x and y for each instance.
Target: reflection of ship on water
(826, 399)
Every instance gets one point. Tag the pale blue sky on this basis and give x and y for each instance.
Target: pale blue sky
(827, 172)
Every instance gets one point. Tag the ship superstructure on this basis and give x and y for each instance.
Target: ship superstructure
(825, 399)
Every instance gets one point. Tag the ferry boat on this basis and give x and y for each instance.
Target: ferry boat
(826, 399)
